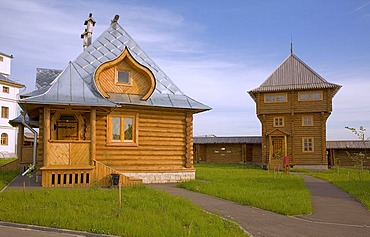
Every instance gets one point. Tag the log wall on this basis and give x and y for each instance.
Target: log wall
(161, 143)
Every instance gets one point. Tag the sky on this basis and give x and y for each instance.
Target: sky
(214, 51)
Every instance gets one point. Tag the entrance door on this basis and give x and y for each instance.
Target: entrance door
(277, 151)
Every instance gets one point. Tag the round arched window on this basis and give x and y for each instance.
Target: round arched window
(4, 139)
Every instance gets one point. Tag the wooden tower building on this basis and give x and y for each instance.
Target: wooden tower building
(293, 105)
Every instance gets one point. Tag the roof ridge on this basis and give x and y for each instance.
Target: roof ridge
(293, 74)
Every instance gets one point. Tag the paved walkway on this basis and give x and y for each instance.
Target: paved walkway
(335, 213)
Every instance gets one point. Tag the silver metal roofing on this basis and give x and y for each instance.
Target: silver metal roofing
(18, 120)
(227, 140)
(354, 144)
(68, 89)
(107, 47)
(7, 80)
(45, 76)
(294, 74)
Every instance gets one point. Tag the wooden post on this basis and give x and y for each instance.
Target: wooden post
(189, 141)
(323, 139)
(20, 142)
(46, 134)
(92, 135)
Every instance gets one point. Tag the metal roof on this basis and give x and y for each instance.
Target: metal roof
(69, 89)
(5, 79)
(18, 120)
(354, 144)
(294, 74)
(45, 76)
(228, 140)
(107, 47)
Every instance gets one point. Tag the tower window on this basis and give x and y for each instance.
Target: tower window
(279, 122)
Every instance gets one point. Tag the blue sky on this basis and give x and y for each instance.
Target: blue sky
(215, 51)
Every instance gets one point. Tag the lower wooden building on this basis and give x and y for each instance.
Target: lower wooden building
(343, 153)
(248, 149)
(227, 149)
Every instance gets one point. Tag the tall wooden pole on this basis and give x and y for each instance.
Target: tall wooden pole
(46, 134)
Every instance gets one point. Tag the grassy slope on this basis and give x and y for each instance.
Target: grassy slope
(348, 180)
(285, 194)
(144, 212)
(6, 177)
(6, 161)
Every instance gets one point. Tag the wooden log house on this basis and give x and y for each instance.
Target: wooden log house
(111, 110)
(293, 105)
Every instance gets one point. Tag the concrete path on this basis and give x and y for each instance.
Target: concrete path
(335, 213)
(8, 229)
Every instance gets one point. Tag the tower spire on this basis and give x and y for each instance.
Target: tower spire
(291, 45)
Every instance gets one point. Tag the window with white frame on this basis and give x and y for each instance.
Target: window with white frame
(4, 112)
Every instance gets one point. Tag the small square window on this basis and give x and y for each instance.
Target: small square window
(123, 77)
(279, 122)
(5, 89)
(1, 58)
(307, 121)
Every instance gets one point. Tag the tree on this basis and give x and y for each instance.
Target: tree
(359, 158)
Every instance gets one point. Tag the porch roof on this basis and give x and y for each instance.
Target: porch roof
(68, 89)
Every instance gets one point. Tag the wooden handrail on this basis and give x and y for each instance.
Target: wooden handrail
(103, 176)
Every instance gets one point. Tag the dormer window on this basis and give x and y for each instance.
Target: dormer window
(123, 78)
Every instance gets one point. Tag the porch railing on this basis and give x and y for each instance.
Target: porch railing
(103, 176)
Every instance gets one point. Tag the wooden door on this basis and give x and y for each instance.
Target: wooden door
(67, 130)
(277, 151)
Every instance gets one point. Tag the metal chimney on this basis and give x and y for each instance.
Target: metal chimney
(87, 34)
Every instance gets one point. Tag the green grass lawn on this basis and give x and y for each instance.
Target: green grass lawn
(4, 161)
(348, 180)
(144, 212)
(6, 177)
(248, 185)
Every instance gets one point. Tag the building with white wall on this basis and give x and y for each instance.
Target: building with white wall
(9, 91)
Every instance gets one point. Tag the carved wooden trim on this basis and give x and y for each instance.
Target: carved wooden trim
(125, 55)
